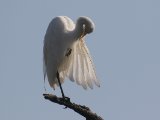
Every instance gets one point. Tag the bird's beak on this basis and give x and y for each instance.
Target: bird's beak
(82, 36)
(83, 33)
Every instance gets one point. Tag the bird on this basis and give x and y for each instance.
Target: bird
(65, 53)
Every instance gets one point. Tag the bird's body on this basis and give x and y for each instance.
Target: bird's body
(66, 53)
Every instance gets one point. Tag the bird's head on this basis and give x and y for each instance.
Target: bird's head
(86, 24)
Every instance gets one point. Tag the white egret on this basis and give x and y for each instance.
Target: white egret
(66, 54)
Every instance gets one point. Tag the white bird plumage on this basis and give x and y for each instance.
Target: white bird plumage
(65, 51)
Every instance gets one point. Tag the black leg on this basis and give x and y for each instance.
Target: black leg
(60, 85)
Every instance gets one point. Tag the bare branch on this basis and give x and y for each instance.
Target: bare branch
(82, 110)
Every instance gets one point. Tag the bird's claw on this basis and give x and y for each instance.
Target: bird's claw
(67, 99)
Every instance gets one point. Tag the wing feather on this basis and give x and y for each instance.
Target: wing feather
(80, 72)
(90, 65)
(80, 66)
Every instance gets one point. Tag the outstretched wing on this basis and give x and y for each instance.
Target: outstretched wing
(79, 67)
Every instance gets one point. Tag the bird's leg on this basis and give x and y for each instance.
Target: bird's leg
(60, 85)
(63, 96)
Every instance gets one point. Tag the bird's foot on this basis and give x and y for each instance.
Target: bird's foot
(67, 99)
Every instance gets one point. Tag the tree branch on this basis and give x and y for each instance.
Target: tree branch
(82, 110)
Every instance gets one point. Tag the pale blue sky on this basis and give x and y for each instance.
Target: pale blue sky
(125, 47)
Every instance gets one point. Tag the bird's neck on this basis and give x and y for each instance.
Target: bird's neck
(78, 31)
